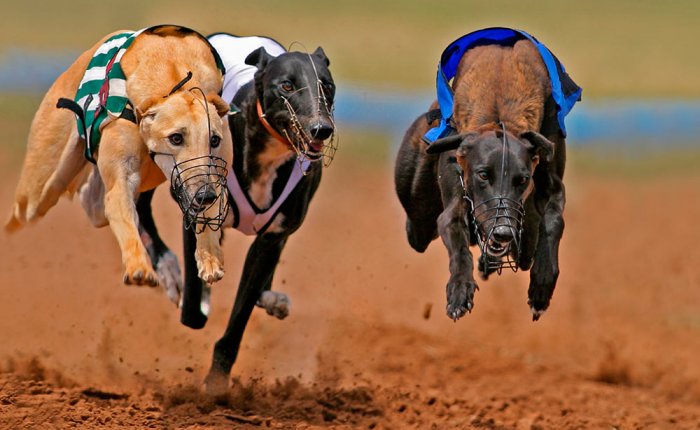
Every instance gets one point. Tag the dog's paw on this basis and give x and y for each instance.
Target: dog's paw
(538, 300)
(209, 267)
(540, 293)
(216, 384)
(205, 302)
(536, 314)
(140, 274)
(460, 298)
(275, 303)
(170, 276)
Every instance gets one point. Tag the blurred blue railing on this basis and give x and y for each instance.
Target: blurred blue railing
(656, 122)
(663, 122)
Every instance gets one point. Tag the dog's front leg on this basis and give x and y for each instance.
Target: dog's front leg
(258, 271)
(119, 161)
(455, 236)
(209, 257)
(545, 268)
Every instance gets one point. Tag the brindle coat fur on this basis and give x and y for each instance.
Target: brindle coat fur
(493, 83)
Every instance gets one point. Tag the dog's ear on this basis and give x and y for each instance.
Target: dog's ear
(258, 58)
(322, 55)
(540, 145)
(141, 107)
(146, 112)
(452, 142)
(445, 144)
(145, 119)
(222, 108)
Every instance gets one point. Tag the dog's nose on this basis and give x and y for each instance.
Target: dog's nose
(502, 234)
(204, 198)
(321, 131)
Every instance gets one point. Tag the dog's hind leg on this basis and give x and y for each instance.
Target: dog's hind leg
(257, 275)
(120, 158)
(69, 166)
(54, 158)
(92, 198)
(164, 261)
(415, 177)
(53, 152)
(275, 303)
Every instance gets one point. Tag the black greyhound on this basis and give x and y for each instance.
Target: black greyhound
(284, 123)
(492, 171)
(502, 188)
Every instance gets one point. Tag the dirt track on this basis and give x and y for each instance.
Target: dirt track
(618, 348)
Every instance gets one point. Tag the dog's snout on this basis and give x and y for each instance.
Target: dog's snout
(321, 131)
(205, 197)
(502, 234)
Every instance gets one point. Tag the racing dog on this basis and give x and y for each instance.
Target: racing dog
(148, 110)
(492, 175)
(283, 134)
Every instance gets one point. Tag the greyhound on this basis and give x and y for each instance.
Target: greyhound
(283, 133)
(492, 174)
(139, 127)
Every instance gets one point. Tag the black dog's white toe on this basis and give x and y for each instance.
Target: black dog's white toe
(170, 276)
(275, 303)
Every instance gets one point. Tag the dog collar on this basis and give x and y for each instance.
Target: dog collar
(269, 128)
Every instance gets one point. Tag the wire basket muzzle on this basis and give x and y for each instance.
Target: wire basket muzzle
(498, 223)
(301, 139)
(198, 185)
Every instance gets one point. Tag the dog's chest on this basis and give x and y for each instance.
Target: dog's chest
(269, 161)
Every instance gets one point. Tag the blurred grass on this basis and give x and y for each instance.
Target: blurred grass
(16, 113)
(631, 48)
(640, 163)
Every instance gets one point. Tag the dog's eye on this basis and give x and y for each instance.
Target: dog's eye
(215, 141)
(176, 139)
(523, 180)
(484, 176)
(287, 86)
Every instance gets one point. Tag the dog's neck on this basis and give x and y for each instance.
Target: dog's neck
(262, 155)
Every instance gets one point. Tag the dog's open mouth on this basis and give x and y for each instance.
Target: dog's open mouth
(312, 146)
(314, 149)
(497, 249)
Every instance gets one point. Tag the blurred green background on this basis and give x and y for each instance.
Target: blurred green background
(631, 50)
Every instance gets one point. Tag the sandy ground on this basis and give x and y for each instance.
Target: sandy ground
(367, 344)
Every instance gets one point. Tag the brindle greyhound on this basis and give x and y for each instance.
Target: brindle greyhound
(284, 126)
(495, 182)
